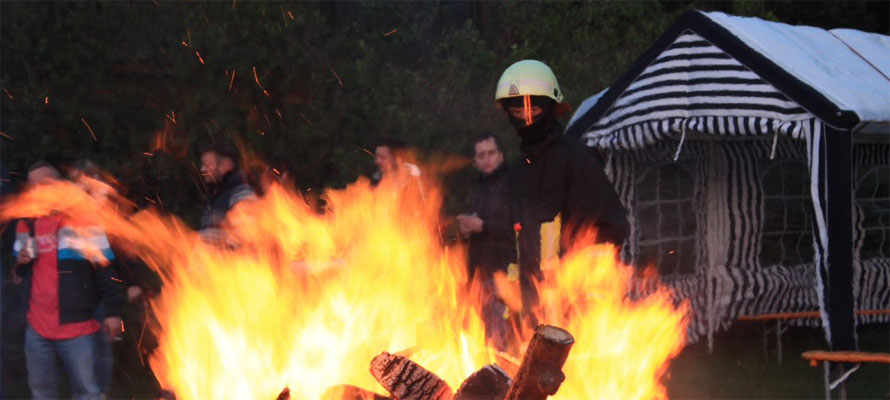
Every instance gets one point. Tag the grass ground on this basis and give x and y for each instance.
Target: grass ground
(737, 368)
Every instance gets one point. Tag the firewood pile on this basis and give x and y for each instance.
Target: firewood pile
(539, 375)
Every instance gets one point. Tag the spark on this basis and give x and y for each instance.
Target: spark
(291, 15)
(199, 57)
(90, 129)
(266, 116)
(14, 173)
(148, 154)
(367, 151)
(671, 252)
(8, 94)
(231, 81)
(7, 136)
(276, 171)
(142, 334)
(390, 32)
(150, 200)
(337, 76)
(257, 79)
(5, 180)
(46, 100)
(279, 113)
(172, 116)
(307, 119)
(260, 131)
(184, 44)
(117, 280)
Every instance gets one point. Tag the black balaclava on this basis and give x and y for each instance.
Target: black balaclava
(531, 129)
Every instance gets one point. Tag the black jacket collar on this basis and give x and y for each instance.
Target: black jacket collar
(532, 151)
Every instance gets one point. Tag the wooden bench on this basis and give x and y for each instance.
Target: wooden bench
(828, 357)
(780, 329)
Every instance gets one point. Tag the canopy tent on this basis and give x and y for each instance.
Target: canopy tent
(728, 88)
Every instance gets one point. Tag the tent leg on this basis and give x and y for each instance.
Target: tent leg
(838, 150)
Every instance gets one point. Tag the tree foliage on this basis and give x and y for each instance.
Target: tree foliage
(314, 82)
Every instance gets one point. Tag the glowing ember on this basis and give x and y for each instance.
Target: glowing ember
(257, 79)
(305, 300)
(90, 129)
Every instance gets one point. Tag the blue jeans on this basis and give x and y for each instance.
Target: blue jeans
(104, 356)
(104, 361)
(42, 356)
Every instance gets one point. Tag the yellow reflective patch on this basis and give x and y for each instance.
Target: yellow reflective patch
(550, 243)
(513, 272)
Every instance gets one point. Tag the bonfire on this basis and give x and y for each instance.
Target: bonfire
(362, 300)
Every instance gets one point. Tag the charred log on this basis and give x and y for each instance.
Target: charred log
(405, 380)
(541, 374)
(489, 383)
(349, 392)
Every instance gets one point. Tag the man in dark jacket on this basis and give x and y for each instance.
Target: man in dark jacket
(228, 186)
(561, 188)
(489, 227)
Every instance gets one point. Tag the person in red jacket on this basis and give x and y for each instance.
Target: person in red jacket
(64, 284)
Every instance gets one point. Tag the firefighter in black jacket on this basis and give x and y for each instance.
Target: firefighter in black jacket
(559, 187)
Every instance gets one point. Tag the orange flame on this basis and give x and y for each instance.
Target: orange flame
(622, 346)
(305, 300)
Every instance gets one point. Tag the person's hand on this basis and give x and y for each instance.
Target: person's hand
(133, 293)
(23, 258)
(469, 224)
(474, 223)
(462, 225)
(112, 326)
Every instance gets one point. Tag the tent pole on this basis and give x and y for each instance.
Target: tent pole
(839, 302)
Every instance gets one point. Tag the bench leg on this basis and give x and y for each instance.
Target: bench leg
(765, 340)
(779, 340)
(827, 368)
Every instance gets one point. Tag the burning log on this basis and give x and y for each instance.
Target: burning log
(405, 380)
(508, 363)
(349, 392)
(488, 383)
(541, 374)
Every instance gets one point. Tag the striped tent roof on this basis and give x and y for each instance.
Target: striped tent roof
(719, 74)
